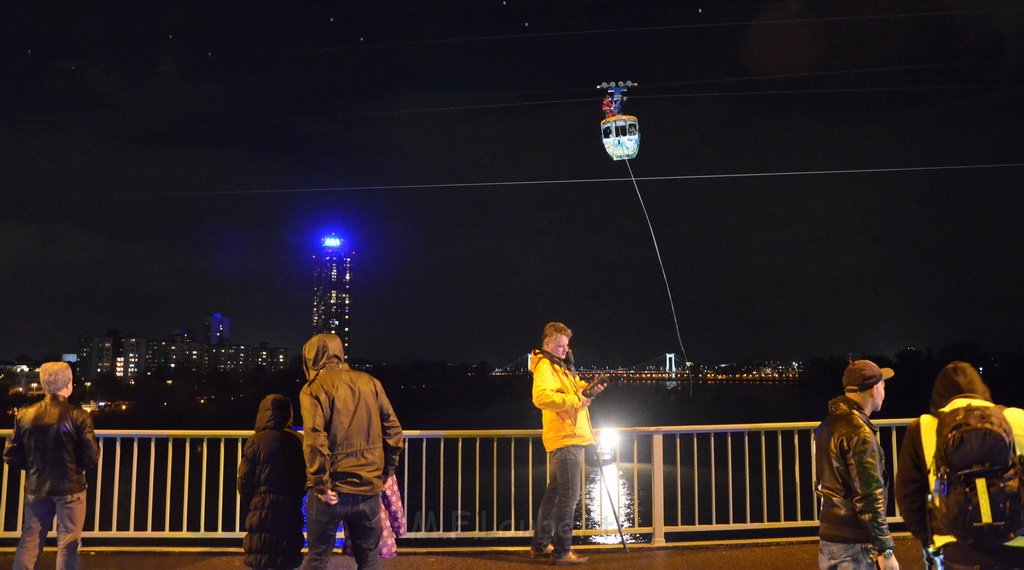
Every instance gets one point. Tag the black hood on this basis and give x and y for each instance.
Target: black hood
(957, 379)
(275, 412)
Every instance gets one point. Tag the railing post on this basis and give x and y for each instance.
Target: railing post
(658, 490)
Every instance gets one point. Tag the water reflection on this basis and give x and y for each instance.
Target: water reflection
(606, 499)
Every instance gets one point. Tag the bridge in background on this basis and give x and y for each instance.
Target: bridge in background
(666, 367)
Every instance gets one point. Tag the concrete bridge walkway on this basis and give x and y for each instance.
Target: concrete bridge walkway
(761, 556)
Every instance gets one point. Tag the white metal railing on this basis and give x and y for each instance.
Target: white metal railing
(174, 486)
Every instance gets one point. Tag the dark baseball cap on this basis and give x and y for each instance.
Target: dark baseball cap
(861, 375)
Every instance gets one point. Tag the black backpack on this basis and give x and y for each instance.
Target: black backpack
(978, 485)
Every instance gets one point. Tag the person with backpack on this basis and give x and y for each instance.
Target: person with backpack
(851, 477)
(947, 457)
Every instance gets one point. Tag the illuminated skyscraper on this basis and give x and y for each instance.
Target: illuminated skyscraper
(218, 329)
(332, 276)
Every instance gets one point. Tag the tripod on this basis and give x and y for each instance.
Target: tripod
(601, 462)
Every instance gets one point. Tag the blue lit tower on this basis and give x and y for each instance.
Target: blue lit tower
(332, 277)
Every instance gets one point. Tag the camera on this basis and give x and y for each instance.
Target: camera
(599, 380)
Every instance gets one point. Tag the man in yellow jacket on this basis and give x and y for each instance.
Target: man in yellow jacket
(557, 391)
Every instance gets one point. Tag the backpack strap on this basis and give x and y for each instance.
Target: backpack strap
(1015, 417)
(929, 434)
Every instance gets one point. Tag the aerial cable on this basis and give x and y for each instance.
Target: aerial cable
(573, 181)
(488, 106)
(363, 45)
(664, 276)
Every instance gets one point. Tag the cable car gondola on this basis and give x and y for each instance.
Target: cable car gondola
(619, 133)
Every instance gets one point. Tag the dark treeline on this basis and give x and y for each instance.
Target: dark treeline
(435, 395)
(908, 393)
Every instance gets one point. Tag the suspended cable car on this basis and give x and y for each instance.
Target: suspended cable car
(620, 133)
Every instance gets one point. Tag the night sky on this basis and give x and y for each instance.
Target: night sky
(822, 178)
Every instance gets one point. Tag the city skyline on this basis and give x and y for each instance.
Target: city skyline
(128, 357)
(820, 179)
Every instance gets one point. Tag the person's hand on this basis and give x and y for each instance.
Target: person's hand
(887, 563)
(595, 386)
(330, 497)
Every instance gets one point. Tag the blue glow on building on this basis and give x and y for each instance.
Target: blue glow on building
(332, 278)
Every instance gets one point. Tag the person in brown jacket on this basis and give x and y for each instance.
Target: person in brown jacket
(351, 442)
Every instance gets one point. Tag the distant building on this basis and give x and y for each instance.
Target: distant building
(332, 278)
(269, 357)
(131, 359)
(96, 356)
(218, 329)
(189, 352)
(160, 354)
(122, 357)
(179, 353)
(228, 357)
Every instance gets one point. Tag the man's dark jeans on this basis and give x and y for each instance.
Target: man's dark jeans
(554, 521)
(39, 514)
(359, 516)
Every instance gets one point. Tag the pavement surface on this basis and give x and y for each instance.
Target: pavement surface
(788, 555)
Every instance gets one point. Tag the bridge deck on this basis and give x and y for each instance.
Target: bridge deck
(783, 555)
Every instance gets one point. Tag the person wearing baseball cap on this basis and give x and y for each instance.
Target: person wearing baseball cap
(861, 375)
(852, 482)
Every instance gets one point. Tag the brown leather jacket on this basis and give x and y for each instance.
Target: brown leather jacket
(852, 482)
(54, 443)
(351, 436)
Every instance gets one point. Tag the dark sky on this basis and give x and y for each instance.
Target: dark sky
(822, 178)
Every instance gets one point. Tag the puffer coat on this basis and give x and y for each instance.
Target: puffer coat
(271, 482)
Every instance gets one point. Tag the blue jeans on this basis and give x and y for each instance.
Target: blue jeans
(843, 556)
(359, 516)
(554, 521)
(39, 514)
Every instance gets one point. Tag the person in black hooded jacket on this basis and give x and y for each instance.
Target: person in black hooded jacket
(271, 483)
(958, 384)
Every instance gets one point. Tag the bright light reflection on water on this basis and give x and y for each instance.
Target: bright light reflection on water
(601, 509)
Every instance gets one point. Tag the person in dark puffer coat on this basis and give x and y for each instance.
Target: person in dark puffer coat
(271, 482)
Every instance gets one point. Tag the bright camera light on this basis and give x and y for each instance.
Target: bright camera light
(608, 439)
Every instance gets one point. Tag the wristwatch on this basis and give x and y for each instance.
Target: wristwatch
(888, 553)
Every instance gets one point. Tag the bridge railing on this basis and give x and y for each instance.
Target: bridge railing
(167, 486)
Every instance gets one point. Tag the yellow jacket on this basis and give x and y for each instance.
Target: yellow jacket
(556, 391)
